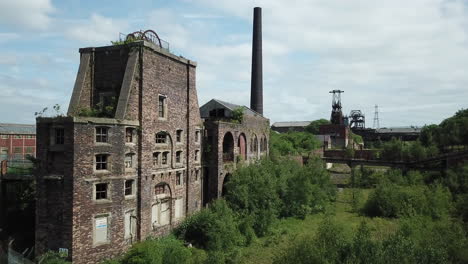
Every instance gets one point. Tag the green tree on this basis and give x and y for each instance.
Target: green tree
(314, 126)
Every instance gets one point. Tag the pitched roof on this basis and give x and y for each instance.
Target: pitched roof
(291, 124)
(215, 103)
(13, 129)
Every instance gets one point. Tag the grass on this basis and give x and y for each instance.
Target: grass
(287, 230)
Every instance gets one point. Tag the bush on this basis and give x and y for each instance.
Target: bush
(215, 228)
(391, 200)
(167, 250)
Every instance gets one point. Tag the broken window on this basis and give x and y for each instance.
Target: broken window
(101, 191)
(129, 134)
(161, 138)
(101, 162)
(4, 136)
(162, 106)
(165, 156)
(179, 136)
(129, 160)
(101, 134)
(59, 136)
(100, 229)
(129, 187)
(178, 156)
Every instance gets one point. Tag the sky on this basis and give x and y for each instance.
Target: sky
(408, 57)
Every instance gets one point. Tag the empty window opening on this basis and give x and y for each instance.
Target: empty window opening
(228, 147)
(59, 136)
(179, 178)
(161, 138)
(101, 134)
(165, 156)
(129, 135)
(101, 191)
(101, 162)
(156, 158)
(197, 155)
(178, 156)
(129, 187)
(162, 106)
(179, 136)
(197, 136)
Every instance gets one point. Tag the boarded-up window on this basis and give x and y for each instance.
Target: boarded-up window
(179, 208)
(161, 213)
(101, 229)
(165, 212)
(130, 224)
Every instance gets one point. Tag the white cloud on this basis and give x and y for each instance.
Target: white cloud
(97, 30)
(27, 14)
(397, 54)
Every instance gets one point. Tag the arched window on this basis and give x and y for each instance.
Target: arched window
(228, 147)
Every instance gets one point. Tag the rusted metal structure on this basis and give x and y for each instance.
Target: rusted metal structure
(357, 120)
(147, 35)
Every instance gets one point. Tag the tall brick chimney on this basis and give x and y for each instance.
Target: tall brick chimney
(256, 88)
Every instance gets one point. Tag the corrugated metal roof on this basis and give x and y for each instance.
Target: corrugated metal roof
(13, 129)
(291, 124)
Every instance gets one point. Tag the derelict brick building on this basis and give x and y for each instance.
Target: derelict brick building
(134, 169)
(105, 182)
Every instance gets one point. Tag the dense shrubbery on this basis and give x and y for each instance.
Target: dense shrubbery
(167, 250)
(258, 195)
(391, 200)
(292, 143)
(215, 228)
(314, 126)
(418, 240)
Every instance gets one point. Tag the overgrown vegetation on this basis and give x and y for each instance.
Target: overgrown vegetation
(292, 143)
(417, 240)
(101, 109)
(238, 115)
(314, 126)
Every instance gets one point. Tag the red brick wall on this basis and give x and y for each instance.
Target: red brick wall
(23, 143)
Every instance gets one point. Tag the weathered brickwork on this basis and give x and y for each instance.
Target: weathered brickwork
(221, 162)
(106, 182)
(68, 203)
